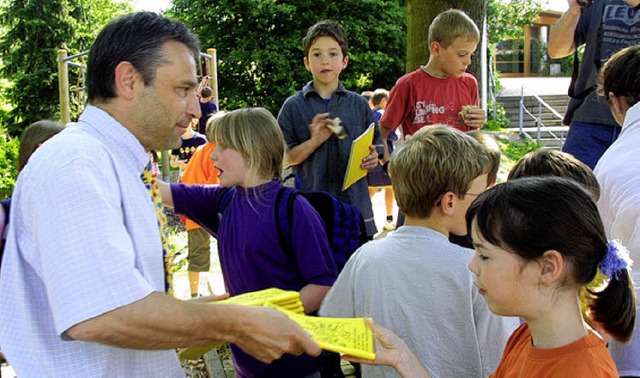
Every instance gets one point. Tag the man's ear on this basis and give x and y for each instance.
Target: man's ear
(126, 78)
(552, 267)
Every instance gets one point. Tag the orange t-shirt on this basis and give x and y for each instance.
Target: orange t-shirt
(200, 170)
(587, 357)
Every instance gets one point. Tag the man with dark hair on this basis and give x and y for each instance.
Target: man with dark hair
(82, 277)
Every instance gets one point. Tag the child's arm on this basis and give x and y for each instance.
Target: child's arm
(319, 134)
(165, 193)
(311, 297)
(393, 351)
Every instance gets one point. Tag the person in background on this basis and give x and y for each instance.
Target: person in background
(200, 170)
(207, 107)
(190, 141)
(603, 27)
(367, 95)
(83, 280)
(377, 178)
(618, 173)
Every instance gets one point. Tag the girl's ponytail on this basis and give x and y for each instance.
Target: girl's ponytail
(614, 307)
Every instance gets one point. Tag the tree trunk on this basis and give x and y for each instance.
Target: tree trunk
(420, 15)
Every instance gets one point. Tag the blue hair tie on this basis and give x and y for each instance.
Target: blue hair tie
(616, 259)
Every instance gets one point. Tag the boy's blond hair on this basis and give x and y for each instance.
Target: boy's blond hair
(255, 133)
(436, 160)
(452, 24)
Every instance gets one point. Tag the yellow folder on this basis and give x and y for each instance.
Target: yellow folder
(359, 150)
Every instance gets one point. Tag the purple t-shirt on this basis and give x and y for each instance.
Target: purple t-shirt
(252, 258)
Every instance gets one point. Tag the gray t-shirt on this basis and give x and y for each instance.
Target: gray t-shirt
(416, 283)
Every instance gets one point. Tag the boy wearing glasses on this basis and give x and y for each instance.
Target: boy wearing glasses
(414, 281)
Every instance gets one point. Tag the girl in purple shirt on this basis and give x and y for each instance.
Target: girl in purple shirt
(250, 155)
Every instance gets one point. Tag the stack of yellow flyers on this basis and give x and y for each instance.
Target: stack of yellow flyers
(340, 335)
(287, 300)
(349, 336)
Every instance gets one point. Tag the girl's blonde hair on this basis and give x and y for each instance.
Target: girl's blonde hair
(255, 133)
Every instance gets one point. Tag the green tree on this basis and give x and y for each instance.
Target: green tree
(259, 44)
(34, 31)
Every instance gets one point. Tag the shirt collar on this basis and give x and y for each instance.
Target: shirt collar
(117, 137)
(308, 89)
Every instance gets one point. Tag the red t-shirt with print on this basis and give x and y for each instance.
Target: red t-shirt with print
(419, 99)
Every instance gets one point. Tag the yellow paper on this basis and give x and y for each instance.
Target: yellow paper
(359, 150)
(349, 336)
(258, 298)
(274, 297)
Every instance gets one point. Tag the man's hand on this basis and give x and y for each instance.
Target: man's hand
(370, 161)
(632, 3)
(267, 334)
(318, 128)
(475, 118)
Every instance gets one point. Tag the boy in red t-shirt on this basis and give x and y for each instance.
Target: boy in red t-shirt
(437, 92)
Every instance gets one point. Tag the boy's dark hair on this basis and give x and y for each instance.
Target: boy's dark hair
(547, 162)
(325, 28)
(206, 92)
(621, 75)
(137, 38)
(532, 215)
(452, 24)
(493, 148)
(378, 96)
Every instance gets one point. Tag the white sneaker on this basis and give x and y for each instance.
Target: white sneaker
(389, 226)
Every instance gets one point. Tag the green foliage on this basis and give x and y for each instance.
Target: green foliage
(517, 149)
(496, 117)
(33, 32)
(8, 163)
(259, 44)
(506, 19)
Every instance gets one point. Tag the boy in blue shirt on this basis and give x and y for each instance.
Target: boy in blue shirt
(319, 157)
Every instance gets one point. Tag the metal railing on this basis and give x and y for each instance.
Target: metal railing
(556, 132)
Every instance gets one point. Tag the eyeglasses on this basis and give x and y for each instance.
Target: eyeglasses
(468, 194)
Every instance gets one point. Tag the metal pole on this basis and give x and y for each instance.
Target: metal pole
(63, 87)
(212, 71)
(521, 122)
(539, 120)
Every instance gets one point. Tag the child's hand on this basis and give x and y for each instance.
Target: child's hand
(392, 351)
(475, 118)
(318, 128)
(370, 161)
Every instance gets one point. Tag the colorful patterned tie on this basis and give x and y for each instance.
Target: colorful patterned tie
(151, 184)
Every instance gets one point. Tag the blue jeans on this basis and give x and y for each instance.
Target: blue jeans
(588, 141)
